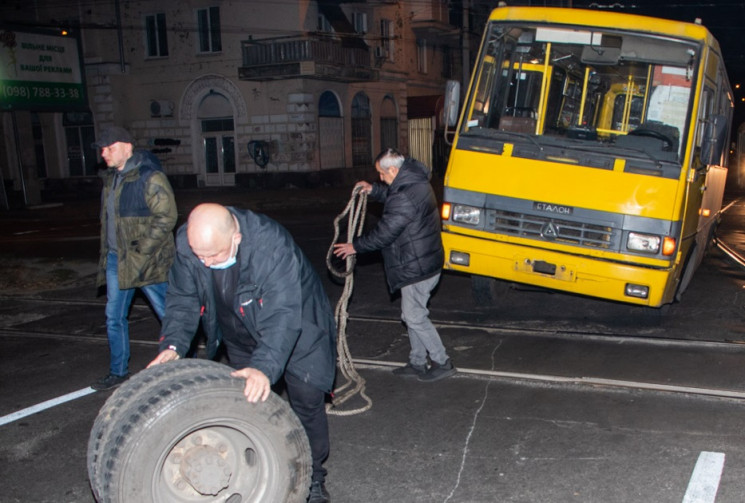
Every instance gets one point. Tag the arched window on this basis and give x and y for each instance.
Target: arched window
(328, 105)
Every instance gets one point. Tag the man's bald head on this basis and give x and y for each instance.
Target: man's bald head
(211, 231)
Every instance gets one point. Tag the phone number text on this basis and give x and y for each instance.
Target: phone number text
(39, 92)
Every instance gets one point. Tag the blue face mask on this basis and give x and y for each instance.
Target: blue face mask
(229, 262)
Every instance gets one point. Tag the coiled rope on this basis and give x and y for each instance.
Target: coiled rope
(355, 384)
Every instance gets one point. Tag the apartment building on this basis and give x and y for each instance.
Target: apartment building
(243, 92)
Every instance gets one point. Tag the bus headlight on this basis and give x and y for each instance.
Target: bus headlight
(466, 214)
(645, 243)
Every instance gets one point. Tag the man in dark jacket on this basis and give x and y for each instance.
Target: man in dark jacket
(408, 234)
(138, 214)
(254, 291)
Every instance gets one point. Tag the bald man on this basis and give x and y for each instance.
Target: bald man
(242, 275)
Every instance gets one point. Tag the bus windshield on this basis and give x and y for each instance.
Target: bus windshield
(629, 90)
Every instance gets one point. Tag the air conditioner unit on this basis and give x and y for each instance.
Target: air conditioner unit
(161, 108)
(381, 52)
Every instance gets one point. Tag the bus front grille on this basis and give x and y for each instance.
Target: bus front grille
(551, 229)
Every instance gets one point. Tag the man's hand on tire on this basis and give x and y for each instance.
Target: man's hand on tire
(257, 384)
(166, 355)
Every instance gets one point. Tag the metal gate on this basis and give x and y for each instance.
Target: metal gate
(421, 137)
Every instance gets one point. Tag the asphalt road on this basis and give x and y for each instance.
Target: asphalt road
(559, 399)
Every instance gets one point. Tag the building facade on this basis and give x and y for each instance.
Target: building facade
(244, 92)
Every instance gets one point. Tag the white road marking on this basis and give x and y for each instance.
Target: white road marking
(15, 416)
(704, 483)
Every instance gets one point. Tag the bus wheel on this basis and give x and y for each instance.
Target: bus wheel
(184, 432)
(487, 291)
(711, 240)
(687, 275)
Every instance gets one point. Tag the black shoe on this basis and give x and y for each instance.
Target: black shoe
(438, 371)
(111, 381)
(318, 493)
(410, 370)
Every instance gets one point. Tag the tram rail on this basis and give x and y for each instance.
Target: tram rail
(574, 334)
(497, 330)
(550, 379)
(727, 250)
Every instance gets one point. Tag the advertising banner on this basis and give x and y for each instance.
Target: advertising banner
(40, 71)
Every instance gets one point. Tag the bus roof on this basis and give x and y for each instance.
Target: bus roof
(605, 19)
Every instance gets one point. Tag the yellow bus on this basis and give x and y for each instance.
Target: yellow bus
(589, 155)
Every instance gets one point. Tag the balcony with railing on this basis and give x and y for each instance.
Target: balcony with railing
(431, 19)
(310, 56)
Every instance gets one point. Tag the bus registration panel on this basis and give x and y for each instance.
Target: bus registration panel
(561, 272)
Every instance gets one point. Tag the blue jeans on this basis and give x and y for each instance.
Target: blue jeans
(117, 311)
(423, 335)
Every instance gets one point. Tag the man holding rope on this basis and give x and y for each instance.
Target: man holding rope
(408, 234)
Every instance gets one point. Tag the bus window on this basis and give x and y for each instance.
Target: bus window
(588, 85)
(668, 100)
(519, 113)
(481, 101)
(635, 117)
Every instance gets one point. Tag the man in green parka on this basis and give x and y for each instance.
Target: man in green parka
(138, 215)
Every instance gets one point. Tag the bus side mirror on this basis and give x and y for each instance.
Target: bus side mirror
(450, 110)
(452, 102)
(713, 141)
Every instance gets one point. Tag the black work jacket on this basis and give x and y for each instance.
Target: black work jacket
(408, 233)
(279, 298)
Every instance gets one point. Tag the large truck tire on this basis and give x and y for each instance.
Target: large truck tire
(184, 432)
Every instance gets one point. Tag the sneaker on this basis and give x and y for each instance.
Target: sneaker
(438, 371)
(318, 493)
(410, 370)
(111, 381)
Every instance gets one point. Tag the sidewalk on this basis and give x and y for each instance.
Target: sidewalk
(264, 200)
(55, 245)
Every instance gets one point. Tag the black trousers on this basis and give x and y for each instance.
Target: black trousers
(308, 403)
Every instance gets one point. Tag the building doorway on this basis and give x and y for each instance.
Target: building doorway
(388, 124)
(330, 131)
(82, 159)
(361, 130)
(218, 156)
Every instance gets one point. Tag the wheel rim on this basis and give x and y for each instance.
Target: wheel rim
(221, 461)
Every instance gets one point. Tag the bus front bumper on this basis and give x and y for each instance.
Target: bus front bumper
(581, 274)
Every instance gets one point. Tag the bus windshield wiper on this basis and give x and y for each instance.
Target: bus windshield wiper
(524, 136)
(493, 133)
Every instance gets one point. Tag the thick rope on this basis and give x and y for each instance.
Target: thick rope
(355, 384)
